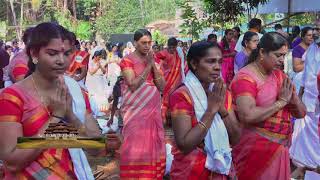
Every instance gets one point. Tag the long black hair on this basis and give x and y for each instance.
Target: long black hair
(199, 50)
(40, 36)
(140, 33)
(224, 39)
(247, 37)
(271, 41)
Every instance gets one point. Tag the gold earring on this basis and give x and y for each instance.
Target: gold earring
(35, 61)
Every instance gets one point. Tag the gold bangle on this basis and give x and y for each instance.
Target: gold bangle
(203, 125)
(279, 105)
(283, 100)
(157, 79)
(141, 76)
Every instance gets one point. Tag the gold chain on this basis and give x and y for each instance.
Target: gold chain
(41, 98)
(263, 76)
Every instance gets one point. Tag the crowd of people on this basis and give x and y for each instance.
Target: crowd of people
(234, 110)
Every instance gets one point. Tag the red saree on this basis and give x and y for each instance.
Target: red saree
(16, 105)
(171, 66)
(227, 67)
(190, 166)
(143, 149)
(18, 67)
(80, 59)
(262, 152)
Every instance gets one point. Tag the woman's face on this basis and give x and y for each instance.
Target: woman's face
(143, 45)
(308, 38)
(54, 59)
(208, 68)
(114, 49)
(253, 43)
(230, 35)
(274, 59)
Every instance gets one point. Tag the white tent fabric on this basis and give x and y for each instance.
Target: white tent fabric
(281, 6)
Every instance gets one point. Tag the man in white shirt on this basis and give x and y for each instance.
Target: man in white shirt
(254, 26)
(305, 142)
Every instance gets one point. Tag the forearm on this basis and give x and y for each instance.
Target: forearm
(297, 108)
(21, 158)
(83, 74)
(158, 79)
(139, 80)
(196, 135)
(259, 114)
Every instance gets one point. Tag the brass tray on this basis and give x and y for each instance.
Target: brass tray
(74, 142)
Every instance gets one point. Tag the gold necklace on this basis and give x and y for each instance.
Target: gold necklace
(257, 67)
(41, 98)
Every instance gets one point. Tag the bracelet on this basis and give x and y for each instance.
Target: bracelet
(141, 76)
(283, 100)
(279, 105)
(157, 79)
(203, 125)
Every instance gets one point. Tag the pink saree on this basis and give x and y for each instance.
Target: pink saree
(262, 152)
(143, 148)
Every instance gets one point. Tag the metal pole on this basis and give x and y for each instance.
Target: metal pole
(289, 12)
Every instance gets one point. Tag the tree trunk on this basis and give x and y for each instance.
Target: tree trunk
(21, 16)
(65, 6)
(74, 9)
(14, 19)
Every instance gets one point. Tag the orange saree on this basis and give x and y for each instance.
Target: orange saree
(16, 105)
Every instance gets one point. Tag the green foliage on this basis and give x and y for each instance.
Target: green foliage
(192, 25)
(221, 11)
(85, 8)
(83, 30)
(158, 37)
(122, 16)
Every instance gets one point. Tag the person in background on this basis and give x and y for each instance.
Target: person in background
(294, 38)
(174, 68)
(265, 100)
(116, 101)
(88, 46)
(185, 48)
(96, 81)
(212, 38)
(9, 49)
(113, 69)
(236, 33)
(78, 68)
(278, 29)
(4, 61)
(142, 154)
(15, 46)
(249, 43)
(18, 67)
(180, 43)
(203, 121)
(155, 48)
(305, 144)
(298, 52)
(254, 26)
(227, 45)
(129, 49)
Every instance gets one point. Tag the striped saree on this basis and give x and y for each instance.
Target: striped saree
(142, 154)
(16, 105)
